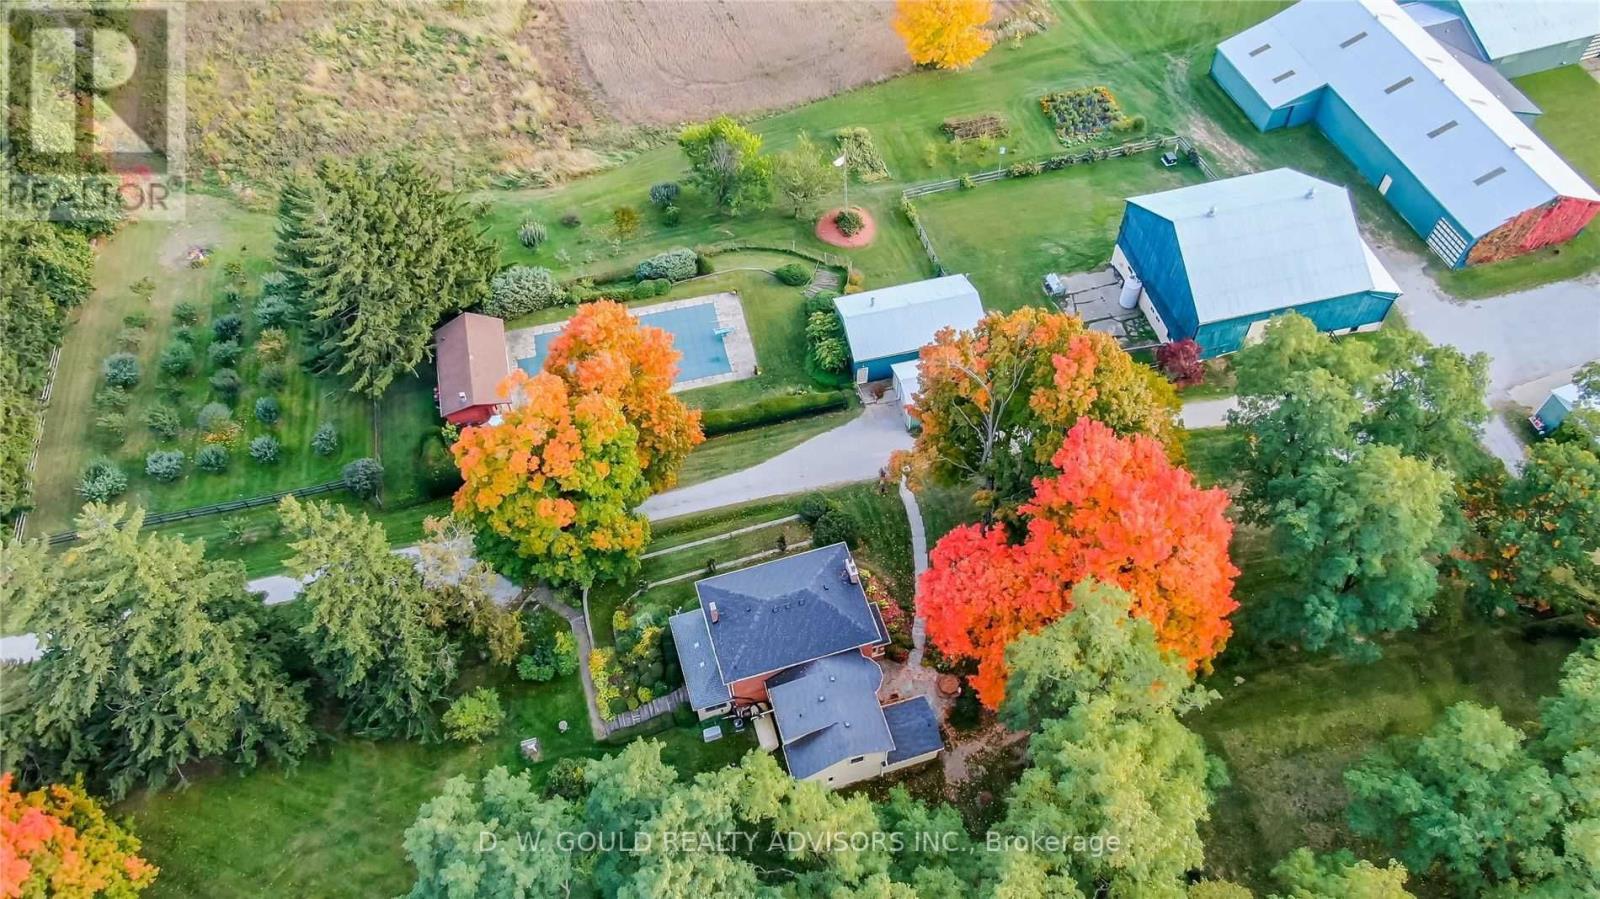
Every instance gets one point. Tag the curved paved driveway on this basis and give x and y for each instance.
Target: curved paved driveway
(847, 454)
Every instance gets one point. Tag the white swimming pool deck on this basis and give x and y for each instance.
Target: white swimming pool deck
(741, 350)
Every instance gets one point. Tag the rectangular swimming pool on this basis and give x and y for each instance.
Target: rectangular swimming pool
(694, 334)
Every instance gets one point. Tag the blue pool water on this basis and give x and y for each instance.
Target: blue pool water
(693, 330)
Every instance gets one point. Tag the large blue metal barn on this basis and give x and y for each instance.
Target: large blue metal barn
(1517, 37)
(1458, 165)
(1215, 261)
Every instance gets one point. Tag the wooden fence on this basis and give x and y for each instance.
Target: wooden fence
(236, 505)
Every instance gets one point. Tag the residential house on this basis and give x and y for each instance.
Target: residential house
(793, 643)
(471, 357)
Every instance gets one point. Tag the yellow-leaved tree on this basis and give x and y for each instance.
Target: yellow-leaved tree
(948, 34)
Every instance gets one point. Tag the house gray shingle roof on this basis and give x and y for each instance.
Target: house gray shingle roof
(914, 728)
(784, 612)
(827, 711)
(699, 662)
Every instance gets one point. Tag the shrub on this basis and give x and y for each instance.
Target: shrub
(227, 327)
(813, 506)
(183, 335)
(162, 422)
(114, 398)
(136, 320)
(571, 220)
(272, 344)
(274, 311)
(212, 416)
(111, 428)
(212, 458)
(522, 289)
(102, 481)
(226, 383)
(224, 353)
(121, 369)
(534, 670)
(325, 442)
(826, 345)
(1024, 169)
(165, 466)
(265, 449)
(703, 265)
(532, 233)
(675, 265)
(271, 377)
(967, 711)
(644, 290)
(625, 221)
(474, 716)
(229, 433)
(565, 779)
(794, 274)
(967, 183)
(771, 410)
(849, 222)
(671, 215)
(440, 476)
(186, 313)
(861, 155)
(363, 477)
(130, 339)
(267, 410)
(177, 359)
(665, 194)
(1180, 362)
(835, 526)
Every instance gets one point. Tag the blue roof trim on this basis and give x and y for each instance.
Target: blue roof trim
(914, 727)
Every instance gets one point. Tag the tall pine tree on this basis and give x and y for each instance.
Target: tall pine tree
(153, 657)
(377, 253)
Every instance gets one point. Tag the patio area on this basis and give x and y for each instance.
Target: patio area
(1093, 297)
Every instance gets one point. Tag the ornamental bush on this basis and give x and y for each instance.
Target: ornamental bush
(111, 428)
(363, 477)
(121, 369)
(571, 220)
(671, 216)
(183, 335)
(212, 458)
(532, 233)
(474, 716)
(665, 194)
(265, 449)
(177, 359)
(835, 526)
(130, 339)
(813, 506)
(224, 353)
(273, 311)
(849, 222)
(102, 481)
(227, 327)
(165, 466)
(162, 422)
(675, 265)
(522, 289)
(114, 398)
(226, 383)
(325, 442)
(212, 417)
(794, 274)
(267, 410)
(272, 344)
(270, 377)
(186, 313)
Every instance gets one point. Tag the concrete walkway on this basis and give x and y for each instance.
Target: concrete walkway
(1207, 413)
(850, 453)
(919, 564)
(580, 633)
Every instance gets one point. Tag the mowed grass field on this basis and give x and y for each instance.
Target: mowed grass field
(1007, 235)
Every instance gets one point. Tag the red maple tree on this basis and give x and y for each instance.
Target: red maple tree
(1119, 512)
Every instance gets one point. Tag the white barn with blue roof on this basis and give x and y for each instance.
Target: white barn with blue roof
(792, 643)
(893, 324)
(1214, 261)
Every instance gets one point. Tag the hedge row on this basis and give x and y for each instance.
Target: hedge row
(771, 410)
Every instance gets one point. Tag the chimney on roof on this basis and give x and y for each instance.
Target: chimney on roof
(1211, 213)
(850, 570)
(1311, 191)
(715, 615)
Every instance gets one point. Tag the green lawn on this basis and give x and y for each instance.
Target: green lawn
(1009, 234)
(155, 250)
(740, 450)
(332, 826)
(1570, 98)
(1289, 731)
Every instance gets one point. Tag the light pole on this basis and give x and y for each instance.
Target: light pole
(844, 171)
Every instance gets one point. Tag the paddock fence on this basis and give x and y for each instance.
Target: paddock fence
(235, 505)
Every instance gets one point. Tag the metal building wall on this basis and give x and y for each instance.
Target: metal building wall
(1151, 245)
(1357, 310)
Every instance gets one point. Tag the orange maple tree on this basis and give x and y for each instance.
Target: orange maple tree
(59, 842)
(605, 350)
(1118, 511)
(558, 479)
(949, 34)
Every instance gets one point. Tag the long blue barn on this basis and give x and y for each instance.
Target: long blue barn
(1447, 153)
(1213, 262)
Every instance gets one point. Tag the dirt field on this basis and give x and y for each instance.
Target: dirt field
(667, 62)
